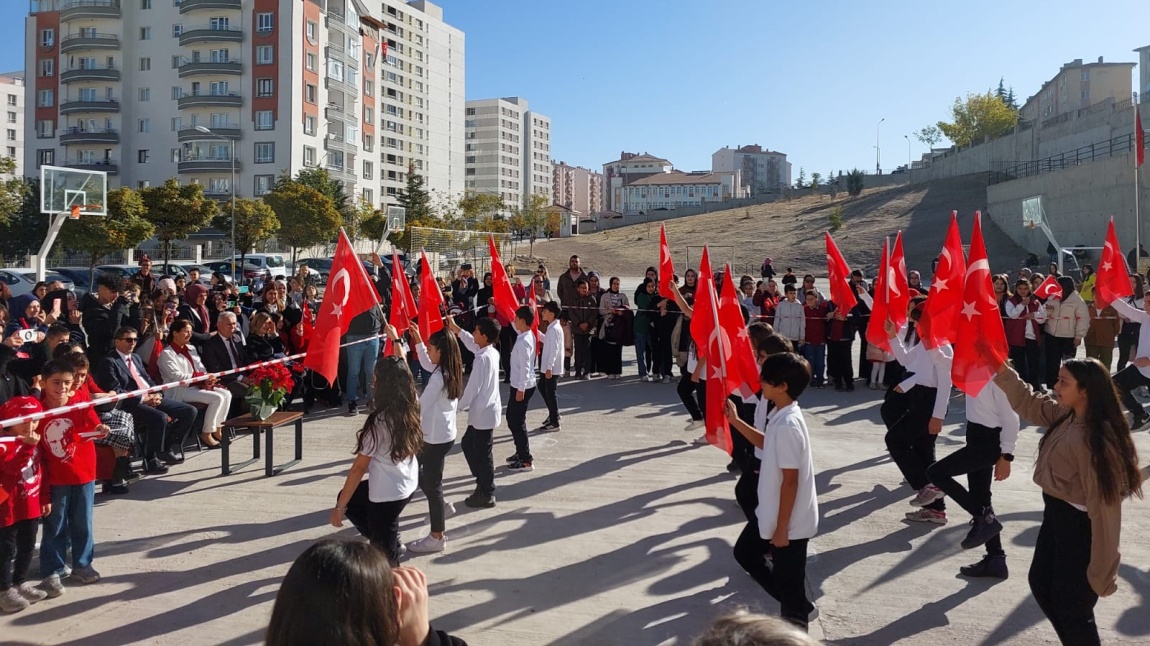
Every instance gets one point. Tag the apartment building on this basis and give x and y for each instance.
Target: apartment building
(508, 150)
(762, 170)
(628, 168)
(577, 188)
(676, 189)
(1143, 73)
(12, 90)
(1079, 85)
(152, 89)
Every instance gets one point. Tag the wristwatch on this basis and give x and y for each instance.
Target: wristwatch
(1009, 457)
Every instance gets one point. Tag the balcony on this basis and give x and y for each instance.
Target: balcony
(338, 143)
(188, 6)
(337, 85)
(82, 136)
(191, 134)
(342, 173)
(199, 68)
(335, 112)
(76, 42)
(81, 9)
(102, 73)
(206, 164)
(208, 34)
(231, 99)
(336, 21)
(99, 105)
(106, 165)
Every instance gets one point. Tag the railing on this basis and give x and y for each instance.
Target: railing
(1006, 171)
(96, 40)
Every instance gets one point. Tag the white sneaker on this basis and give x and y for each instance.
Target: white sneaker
(51, 586)
(694, 425)
(701, 440)
(427, 545)
(32, 593)
(448, 509)
(12, 601)
(666, 379)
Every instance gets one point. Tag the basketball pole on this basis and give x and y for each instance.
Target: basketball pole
(1137, 187)
(40, 259)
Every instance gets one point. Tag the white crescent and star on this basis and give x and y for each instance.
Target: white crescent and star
(341, 277)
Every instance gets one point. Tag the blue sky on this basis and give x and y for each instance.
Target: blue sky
(683, 78)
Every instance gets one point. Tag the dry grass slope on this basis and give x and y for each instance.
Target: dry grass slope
(792, 232)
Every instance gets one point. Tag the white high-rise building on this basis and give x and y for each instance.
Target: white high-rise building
(365, 90)
(12, 91)
(762, 171)
(508, 150)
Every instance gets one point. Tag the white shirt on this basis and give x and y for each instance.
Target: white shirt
(553, 349)
(436, 411)
(931, 369)
(523, 362)
(787, 445)
(762, 410)
(1016, 311)
(992, 409)
(1135, 315)
(481, 394)
(387, 480)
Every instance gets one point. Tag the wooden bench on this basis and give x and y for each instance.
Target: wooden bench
(277, 420)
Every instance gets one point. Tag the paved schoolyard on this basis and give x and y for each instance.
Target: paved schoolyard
(622, 535)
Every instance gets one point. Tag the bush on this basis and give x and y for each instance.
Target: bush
(855, 183)
(836, 218)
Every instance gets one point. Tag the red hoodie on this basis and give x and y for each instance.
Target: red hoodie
(68, 458)
(20, 478)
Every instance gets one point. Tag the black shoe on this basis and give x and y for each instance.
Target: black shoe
(114, 489)
(520, 466)
(1139, 421)
(352, 409)
(480, 501)
(153, 467)
(839, 388)
(171, 457)
(992, 566)
(733, 467)
(512, 458)
(983, 528)
(850, 386)
(122, 473)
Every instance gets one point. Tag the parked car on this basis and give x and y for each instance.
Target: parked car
(321, 266)
(18, 283)
(123, 271)
(171, 270)
(273, 262)
(49, 276)
(82, 278)
(250, 271)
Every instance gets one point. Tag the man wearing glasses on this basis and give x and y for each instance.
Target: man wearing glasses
(167, 421)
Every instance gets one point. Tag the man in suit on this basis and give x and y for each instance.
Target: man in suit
(123, 371)
(226, 351)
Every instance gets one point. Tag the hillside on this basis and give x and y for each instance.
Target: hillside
(792, 233)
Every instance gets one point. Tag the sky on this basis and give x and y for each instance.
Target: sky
(681, 79)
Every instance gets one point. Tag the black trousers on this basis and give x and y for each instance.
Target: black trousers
(686, 390)
(742, 451)
(840, 368)
(582, 346)
(908, 439)
(786, 580)
(1126, 346)
(476, 445)
(1057, 349)
(864, 365)
(431, 480)
(506, 342)
(1128, 380)
(517, 422)
(976, 460)
(747, 490)
(17, 542)
(663, 363)
(1058, 573)
(160, 432)
(547, 391)
(377, 521)
(1027, 360)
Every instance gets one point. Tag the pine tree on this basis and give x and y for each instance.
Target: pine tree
(414, 198)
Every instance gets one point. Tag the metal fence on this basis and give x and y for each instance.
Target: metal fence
(1005, 171)
(450, 248)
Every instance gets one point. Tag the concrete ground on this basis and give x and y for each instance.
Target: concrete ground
(621, 535)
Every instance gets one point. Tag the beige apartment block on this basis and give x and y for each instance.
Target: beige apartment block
(577, 188)
(1079, 85)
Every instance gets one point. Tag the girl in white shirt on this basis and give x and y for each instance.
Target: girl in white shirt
(385, 450)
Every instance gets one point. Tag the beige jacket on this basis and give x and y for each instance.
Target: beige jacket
(1069, 318)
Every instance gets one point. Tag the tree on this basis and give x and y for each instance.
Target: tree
(801, 182)
(479, 206)
(554, 224)
(176, 211)
(24, 230)
(533, 217)
(815, 179)
(929, 136)
(319, 179)
(353, 217)
(12, 191)
(373, 225)
(256, 223)
(855, 182)
(125, 227)
(307, 216)
(979, 117)
(832, 185)
(414, 197)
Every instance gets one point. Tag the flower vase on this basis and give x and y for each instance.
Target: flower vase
(261, 410)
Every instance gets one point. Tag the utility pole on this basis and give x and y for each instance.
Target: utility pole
(877, 149)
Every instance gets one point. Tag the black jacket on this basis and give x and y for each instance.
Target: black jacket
(10, 384)
(112, 375)
(216, 357)
(100, 324)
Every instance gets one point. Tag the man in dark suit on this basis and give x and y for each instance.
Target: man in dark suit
(226, 351)
(123, 371)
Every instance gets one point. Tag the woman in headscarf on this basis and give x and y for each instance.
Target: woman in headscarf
(611, 307)
(195, 309)
(60, 306)
(25, 313)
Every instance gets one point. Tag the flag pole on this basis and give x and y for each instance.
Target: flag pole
(718, 329)
(1138, 138)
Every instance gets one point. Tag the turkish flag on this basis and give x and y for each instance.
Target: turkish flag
(349, 293)
(875, 333)
(704, 293)
(945, 300)
(666, 269)
(840, 276)
(1113, 280)
(431, 304)
(709, 334)
(705, 265)
(505, 301)
(742, 370)
(403, 309)
(1139, 138)
(897, 287)
(980, 340)
(1049, 289)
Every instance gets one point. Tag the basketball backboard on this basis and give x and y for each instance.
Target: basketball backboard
(1032, 214)
(64, 189)
(396, 218)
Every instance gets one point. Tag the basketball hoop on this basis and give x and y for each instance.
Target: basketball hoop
(1031, 224)
(74, 214)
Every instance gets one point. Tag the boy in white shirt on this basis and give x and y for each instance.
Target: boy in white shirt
(788, 512)
(481, 400)
(522, 388)
(552, 363)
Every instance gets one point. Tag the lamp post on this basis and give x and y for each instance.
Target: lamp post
(877, 149)
(232, 141)
(908, 153)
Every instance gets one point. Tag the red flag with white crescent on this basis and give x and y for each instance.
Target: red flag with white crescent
(666, 268)
(1113, 281)
(980, 339)
(1049, 289)
(839, 273)
(937, 325)
(349, 293)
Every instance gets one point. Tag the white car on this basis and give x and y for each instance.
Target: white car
(273, 262)
(18, 283)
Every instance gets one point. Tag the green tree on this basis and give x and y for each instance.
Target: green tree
(801, 182)
(177, 211)
(414, 197)
(307, 217)
(125, 227)
(533, 217)
(835, 219)
(256, 223)
(319, 179)
(12, 190)
(832, 185)
(980, 116)
(929, 136)
(374, 225)
(479, 206)
(22, 231)
(816, 178)
(855, 182)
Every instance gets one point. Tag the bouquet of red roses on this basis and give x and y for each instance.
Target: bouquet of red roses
(269, 386)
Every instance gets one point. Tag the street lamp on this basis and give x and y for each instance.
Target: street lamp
(908, 153)
(232, 141)
(877, 150)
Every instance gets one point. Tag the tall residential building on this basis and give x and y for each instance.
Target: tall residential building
(1079, 85)
(577, 188)
(508, 150)
(763, 171)
(1143, 73)
(628, 168)
(12, 89)
(129, 86)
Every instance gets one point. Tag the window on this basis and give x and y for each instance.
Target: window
(218, 24)
(145, 4)
(264, 120)
(145, 33)
(47, 67)
(11, 151)
(368, 114)
(308, 156)
(11, 135)
(177, 92)
(218, 186)
(47, 37)
(45, 98)
(264, 184)
(368, 196)
(11, 117)
(145, 63)
(177, 30)
(265, 87)
(176, 62)
(177, 124)
(311, 62)
(220, 120)
(264, 22)
(368, 87)
(12, 99)
(45, 157)
(145, 94)
(265, 153)
(309, 93)
(145, 125)
(45, 129)
(218, 88)
(142, 156)
(265, 55)
(309, 125)
(176, 155)
(368, 170)
(309, 30)
(219, 56)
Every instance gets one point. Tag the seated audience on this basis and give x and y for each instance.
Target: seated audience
(179, 362)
